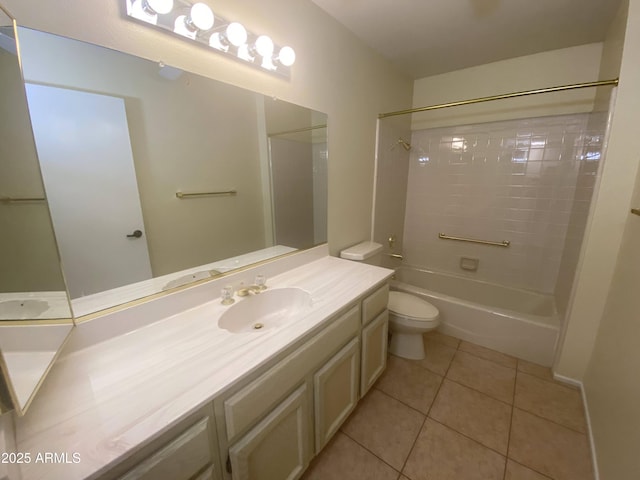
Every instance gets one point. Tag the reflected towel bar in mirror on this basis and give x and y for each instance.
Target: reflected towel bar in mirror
(182, 195)
(21, 200)
(504, 243)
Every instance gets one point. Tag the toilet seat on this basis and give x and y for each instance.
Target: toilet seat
(412, 307)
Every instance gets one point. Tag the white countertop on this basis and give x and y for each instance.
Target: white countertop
(105, 400)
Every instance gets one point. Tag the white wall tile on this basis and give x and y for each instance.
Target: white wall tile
(523, 180)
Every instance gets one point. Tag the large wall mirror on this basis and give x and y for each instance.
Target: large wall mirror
(35, 318)
(157, 177)
(153, 177)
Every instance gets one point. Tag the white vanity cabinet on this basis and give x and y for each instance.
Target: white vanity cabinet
(335, 388)
(375, 338)
(187, 451)
(272, 424)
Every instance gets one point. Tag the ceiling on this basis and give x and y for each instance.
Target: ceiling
(427, 37)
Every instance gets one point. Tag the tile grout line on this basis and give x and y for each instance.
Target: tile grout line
(553, 382)
(511, 424)
(400, 401)
(550, 421)
(513, 407)
(426, 416)
(372, 453)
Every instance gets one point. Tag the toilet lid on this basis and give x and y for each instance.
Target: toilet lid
(409, 305)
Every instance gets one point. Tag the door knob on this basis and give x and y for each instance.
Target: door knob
(135, 234)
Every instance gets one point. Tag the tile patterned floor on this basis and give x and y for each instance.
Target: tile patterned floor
(463, 413)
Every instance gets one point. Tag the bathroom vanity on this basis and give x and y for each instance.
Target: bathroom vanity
(179, 397)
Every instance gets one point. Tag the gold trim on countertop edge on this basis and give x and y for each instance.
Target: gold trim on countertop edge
(35, 321)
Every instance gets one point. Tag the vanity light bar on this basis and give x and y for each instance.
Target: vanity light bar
(197, 22)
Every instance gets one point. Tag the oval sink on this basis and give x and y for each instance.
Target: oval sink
(266, 310)
(22, 309)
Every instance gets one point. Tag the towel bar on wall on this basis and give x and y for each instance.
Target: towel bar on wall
(182, 195)
(504, 243)
(21, 200)
(635, 211)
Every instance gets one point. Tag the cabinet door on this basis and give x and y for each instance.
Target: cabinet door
(277, 448)
(336, 391)
(374, 351)
(181, 459)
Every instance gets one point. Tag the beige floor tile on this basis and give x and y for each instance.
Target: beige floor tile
(345, 459)
(447, 340)
(549, 448)
(409, 383)
(385, 427)
(535, 370)
(515, 471)
(473, 414)
(443, 454)
(488, 354)
(483, 375)
(550, 400)
(539, 371)
(438, 356)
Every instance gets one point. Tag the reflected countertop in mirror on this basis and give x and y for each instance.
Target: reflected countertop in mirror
(35, 317)
(120, 137)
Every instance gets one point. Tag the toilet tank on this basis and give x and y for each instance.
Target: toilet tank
(367, 252)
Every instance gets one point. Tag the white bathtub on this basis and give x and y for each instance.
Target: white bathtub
(513, 321)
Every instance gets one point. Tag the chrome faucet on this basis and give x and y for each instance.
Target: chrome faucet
(250, 290)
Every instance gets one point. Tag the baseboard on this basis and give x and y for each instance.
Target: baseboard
(592, 445)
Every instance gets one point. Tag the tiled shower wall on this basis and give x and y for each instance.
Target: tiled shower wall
(525, 181)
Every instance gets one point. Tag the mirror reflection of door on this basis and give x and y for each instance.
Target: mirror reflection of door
(85, 154)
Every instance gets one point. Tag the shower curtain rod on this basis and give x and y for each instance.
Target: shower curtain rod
(561, 88)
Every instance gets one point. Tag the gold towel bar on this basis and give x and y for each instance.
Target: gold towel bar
(182, 195)
(21, 200)
(635, 211)
(504, 243)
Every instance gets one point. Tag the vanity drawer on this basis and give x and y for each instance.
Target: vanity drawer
(183, 458)
(249, 404)
(375, 304)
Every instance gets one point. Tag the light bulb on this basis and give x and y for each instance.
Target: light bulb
(236, 34)
(201, 16)
(287, 56)
(264, 46)
(161, 7)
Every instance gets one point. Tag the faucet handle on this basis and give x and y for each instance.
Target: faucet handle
(261, 282)
(227, 295)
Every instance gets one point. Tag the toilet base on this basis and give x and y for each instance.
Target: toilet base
(407, 345)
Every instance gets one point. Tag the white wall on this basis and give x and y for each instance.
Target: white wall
(547, 69)
(610, 213)
(30, 260)
(391, 185)
(334, 73)
(611, 379)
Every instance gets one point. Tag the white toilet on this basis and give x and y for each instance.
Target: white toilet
(409, 315)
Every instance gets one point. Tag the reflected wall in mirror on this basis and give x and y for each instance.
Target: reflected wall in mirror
(35, 318)
(158, 177)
